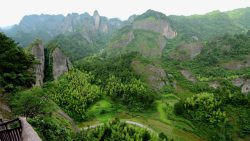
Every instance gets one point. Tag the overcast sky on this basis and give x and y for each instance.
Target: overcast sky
(11, 11)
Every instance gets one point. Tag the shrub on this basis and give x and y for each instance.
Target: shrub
(30, 103)
(179, 108)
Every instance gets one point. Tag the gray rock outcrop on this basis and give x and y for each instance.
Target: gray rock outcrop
(214, 84)
(237, 65)
(127, 38)
(188, 75)
(61, 63)
(159, 26)
(244, 84)
(38, 52)
(187, 51)
(245, 88)
(97, 19)
(28, 133)
(238, 82)
(157, 77)
(154, 75)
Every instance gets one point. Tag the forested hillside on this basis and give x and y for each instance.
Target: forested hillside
(152, 77)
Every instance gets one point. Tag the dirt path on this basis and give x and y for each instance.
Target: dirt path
(126, 121)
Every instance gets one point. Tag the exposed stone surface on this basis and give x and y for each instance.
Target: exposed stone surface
(130, 40)
(61, 63)
(244, 84)
(5, 112)
(195, 38)
(188, 75)
(156, 51)
(28, 133)
(157, 25)
(38, 52)
(154, 75)
(236, 65)
(246, 88)
(97, 19)
(131, 18)
(125, 40)
(238, 82)
(187, 51)
(4, 107)
(214, 85)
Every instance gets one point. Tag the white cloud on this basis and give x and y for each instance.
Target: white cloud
(13, 10)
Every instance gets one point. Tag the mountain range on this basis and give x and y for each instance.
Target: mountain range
(184, 78)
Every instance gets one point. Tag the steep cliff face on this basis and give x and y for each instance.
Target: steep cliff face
(149, 44)
(97, 20)
(61, 63)
(146, 33)
(156, 22)
(38, 51)
(47, 27)
(157, 25)
(154, 75)
(186, 51)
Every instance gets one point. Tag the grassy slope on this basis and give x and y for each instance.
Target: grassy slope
(145, 42)
(160, 117)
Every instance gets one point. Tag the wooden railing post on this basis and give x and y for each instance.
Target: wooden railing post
(9, 133)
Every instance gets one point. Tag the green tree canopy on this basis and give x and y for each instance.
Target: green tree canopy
(15, 65)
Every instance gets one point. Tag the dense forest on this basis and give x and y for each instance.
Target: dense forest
(130, 80)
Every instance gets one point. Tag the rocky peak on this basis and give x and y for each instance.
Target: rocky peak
(154, 21)
(38, 51)
(97, 19)
(70, 21)
(131, 18)
(61, 63)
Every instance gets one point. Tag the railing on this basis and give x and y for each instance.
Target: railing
(11, 130)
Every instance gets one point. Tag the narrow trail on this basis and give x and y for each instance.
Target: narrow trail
(126, 121)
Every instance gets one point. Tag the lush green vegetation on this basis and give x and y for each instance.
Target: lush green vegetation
(227, 106)
(118, 80)
(74, 93)
(41, 113)
(74, 45)
(135, 94)
(102, 67)
(117, 130)
(217, 54)
(77, 45)
(106, 85)
(207, 26)
(147, 43)
(15, 65)
(203, 108)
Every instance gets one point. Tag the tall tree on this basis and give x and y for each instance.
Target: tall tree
(15, 65)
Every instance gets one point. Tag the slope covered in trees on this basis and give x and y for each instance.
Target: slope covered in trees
(15, 65)
(202, 97)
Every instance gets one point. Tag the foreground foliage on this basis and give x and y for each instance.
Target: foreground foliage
(119, 131)
(41, 113)
(15, 65)
(74, 93)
